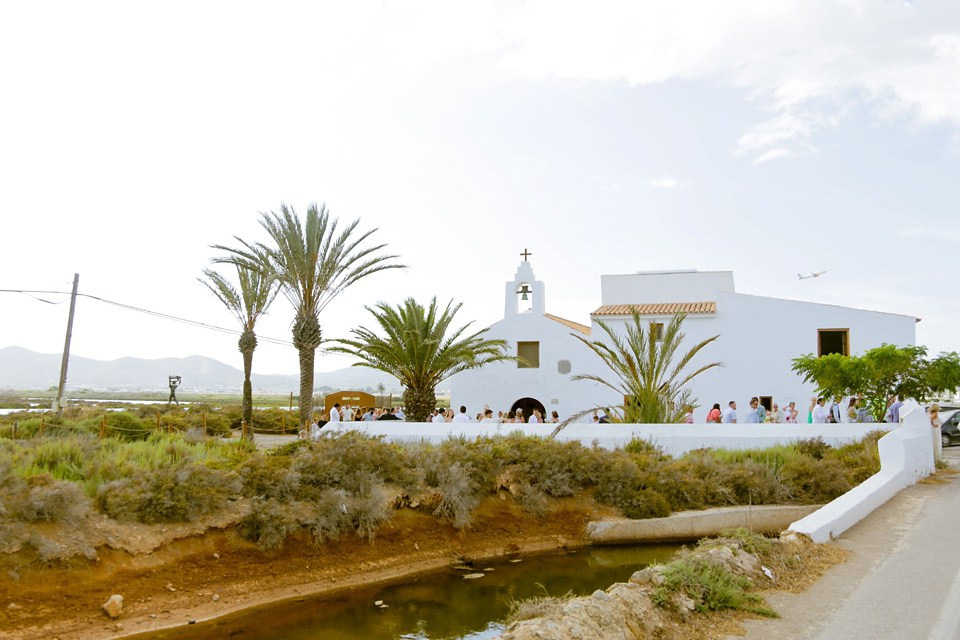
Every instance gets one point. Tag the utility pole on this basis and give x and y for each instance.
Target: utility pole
(57, 409)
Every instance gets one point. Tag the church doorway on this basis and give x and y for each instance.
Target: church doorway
(528, 405)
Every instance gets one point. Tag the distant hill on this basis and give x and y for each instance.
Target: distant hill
(24, 369)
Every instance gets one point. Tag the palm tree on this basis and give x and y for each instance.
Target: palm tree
(312, 263)
(651, 383)
(247, 305)
(419, 348)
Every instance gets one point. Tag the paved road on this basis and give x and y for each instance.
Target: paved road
(901, 580)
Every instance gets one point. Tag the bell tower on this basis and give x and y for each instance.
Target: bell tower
(525, 293)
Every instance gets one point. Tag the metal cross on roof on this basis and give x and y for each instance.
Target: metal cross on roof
(526, 254)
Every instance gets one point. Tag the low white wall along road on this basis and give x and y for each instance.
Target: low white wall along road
(906, 456)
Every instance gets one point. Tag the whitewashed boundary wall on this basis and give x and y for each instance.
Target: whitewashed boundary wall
(675, 439)
(906, 456)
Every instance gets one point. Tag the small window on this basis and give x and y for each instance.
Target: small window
(656, 331)
(833, 341)
(767, 402)
(529, 354)
(563, 367)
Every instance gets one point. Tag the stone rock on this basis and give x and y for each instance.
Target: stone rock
(13, 606)
(215, 597)
(216, 556)
(473, 576)
(600, 594)
(113, 607)
(170, 587)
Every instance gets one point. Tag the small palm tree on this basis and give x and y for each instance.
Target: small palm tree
(247, 305)
(419, 348)
(312, 263)
(651, 381)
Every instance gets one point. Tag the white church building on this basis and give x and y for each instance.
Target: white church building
(758, 338)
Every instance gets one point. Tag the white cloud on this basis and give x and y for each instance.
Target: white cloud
(666, 183)
(772, 154)
(804, 62)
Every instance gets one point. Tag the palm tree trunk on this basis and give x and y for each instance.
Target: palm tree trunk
(419, 403)
(246, 411)
(306, 386)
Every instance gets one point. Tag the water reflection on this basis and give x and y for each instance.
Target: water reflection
(442, 605)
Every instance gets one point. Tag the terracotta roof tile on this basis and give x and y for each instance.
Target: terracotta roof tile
(656, 309)
(576, 326)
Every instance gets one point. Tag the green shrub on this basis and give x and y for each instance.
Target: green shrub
(268, 524)
(459, 495)
(172, 494)
(125, 425)
(812, 482)
(711, 586)
(53, 500)
(816, 448)
(554, 468)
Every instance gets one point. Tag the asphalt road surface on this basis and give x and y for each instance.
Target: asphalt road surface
(901, 580)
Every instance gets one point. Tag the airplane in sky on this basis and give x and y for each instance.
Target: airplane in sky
(815, 274)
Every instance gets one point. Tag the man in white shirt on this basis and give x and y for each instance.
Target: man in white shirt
(438, 416)
(535, 418)
(820, 412)
(488, 416)
(730, 414)
(462, 416)
(347, 413)
(335, 412)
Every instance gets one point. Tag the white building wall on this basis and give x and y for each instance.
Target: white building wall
(664, 286)
(760, 336)
(500, 385)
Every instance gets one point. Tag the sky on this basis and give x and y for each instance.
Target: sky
(766, 138)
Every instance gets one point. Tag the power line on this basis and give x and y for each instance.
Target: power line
(195, 323)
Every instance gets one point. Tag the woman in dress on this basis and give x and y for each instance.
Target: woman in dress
(714, 415)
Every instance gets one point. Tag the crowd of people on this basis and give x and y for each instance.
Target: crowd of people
(820, 411)
(345, 413)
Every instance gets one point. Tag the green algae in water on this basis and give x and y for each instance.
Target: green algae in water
(433, 606)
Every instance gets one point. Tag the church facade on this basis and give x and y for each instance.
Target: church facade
(758, 338)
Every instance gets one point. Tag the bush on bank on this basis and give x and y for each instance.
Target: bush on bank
(351, 483)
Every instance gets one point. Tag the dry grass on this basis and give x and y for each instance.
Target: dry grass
(795, 565)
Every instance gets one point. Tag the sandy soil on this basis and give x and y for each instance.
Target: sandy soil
(174, 574)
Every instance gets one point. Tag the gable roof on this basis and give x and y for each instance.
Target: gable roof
(570, 324)
(656, 308)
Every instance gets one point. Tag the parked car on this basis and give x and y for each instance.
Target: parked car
(950, 427)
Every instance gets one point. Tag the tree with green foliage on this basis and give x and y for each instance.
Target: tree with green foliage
(419, 347)
(248, 305)
(882, 372)
(313, 263)
(652, 378)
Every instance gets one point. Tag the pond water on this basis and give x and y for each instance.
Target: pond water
(433, 606)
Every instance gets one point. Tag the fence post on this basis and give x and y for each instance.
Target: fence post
(43, 424)
(158, 420)
(243, 429)
(103, 427)
(203, 421)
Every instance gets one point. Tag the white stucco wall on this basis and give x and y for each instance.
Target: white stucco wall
(500, 385)
(664, 286)
(673, 439)
(906, 456)
(759, 337)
